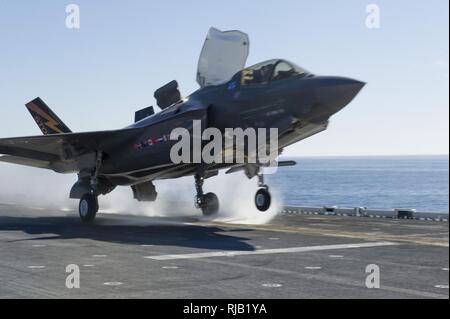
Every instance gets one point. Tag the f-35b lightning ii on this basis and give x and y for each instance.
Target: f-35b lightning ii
(272, 94)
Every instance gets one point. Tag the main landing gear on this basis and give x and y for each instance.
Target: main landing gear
(88, 206)
(208, 203)
(263, 198)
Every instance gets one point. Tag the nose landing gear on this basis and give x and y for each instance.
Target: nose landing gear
(263, 198)
(208, 203)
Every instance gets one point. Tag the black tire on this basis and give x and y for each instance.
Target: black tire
(88, 208)
(263, 199)
(211, 206)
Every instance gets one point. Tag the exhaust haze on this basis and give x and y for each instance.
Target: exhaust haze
(36, 188)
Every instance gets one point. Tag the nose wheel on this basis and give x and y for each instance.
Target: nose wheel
(209, 202)
(263, 199)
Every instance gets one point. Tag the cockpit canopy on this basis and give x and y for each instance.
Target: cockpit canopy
(225, 52)
(269, 71)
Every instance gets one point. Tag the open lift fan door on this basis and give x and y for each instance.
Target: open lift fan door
(223, 54)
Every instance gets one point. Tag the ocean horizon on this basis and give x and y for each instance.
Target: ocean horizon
(377, 182)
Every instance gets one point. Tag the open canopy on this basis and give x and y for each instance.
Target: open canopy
(223, 54)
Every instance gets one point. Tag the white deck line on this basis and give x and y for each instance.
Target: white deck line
(270, 251)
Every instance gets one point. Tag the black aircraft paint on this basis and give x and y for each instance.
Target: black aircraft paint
(272, 94)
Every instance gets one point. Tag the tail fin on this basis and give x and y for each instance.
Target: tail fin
(48, 122)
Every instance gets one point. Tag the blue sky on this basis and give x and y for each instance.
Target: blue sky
(95, 77)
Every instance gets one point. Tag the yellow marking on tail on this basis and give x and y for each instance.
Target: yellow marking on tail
(51, 122)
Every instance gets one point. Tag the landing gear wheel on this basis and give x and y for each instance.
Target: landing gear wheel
(88, 208)
(263, 199)
(210, 204)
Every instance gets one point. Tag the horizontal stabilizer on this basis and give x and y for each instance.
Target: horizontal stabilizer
(24, 161)
(69, 149)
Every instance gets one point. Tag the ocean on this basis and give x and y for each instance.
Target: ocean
(384, 182)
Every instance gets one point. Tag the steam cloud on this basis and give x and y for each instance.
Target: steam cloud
(47, 190)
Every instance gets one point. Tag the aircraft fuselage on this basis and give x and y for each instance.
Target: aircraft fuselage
(299, 106)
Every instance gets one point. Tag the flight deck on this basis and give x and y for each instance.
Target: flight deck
(296, 255)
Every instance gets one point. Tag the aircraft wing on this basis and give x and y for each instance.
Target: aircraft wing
(63, 153)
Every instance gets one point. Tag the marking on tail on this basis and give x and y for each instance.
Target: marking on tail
(48, 122)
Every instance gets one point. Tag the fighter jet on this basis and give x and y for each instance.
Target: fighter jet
(272, 94)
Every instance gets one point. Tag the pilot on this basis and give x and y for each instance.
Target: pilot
(262, 75)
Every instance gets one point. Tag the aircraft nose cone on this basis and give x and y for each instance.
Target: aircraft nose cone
(334, 93)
